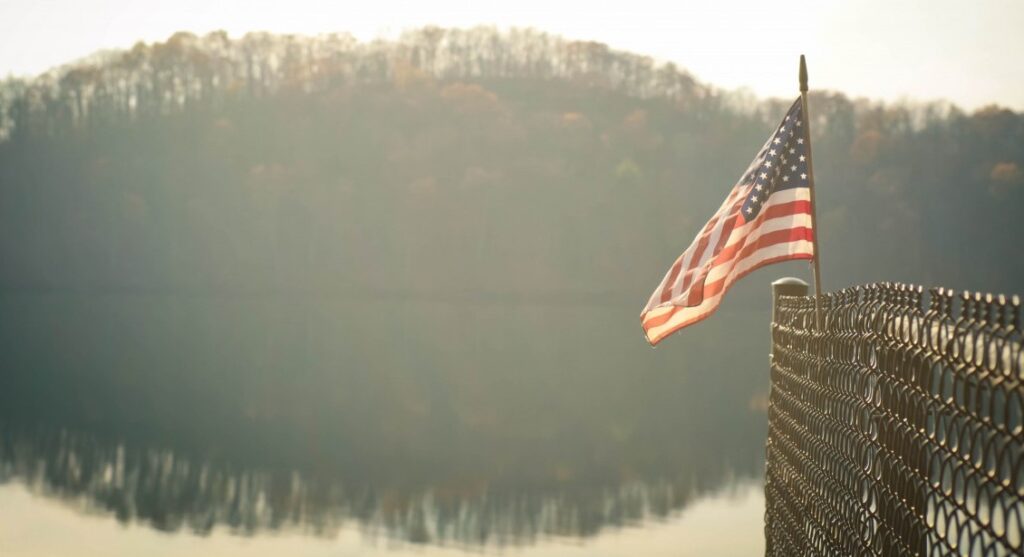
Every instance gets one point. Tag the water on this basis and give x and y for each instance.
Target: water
(269, 424)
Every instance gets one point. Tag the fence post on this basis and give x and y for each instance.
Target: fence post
(788, 286)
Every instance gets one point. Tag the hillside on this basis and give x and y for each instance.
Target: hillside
(460, 165)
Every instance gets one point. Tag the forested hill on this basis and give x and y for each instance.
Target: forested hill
(455, 164)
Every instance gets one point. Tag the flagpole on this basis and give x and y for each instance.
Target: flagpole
(810, 183)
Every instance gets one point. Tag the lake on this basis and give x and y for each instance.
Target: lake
(265, 423)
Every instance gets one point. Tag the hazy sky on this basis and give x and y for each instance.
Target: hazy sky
(968, 52)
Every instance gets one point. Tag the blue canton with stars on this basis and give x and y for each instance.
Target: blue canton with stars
(780, 165)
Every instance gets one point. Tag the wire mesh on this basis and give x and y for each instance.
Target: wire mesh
(897, 428)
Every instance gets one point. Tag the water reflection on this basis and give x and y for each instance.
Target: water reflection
(188, 415)
(170, 493)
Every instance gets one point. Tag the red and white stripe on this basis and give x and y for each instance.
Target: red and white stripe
(728, 248)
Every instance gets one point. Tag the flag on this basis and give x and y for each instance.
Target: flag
(765, 219)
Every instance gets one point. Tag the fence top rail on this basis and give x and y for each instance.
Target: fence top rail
(996, 310)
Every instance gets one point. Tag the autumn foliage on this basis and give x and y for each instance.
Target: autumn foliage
(449, 162)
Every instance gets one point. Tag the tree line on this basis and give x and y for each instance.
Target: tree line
(458, 164)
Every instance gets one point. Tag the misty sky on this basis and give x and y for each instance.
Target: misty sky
(968, 52)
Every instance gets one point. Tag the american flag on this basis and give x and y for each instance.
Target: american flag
(765, 219)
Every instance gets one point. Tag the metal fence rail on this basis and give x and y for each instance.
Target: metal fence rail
(896, 429)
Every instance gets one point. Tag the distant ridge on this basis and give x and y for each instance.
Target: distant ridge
(456, 164)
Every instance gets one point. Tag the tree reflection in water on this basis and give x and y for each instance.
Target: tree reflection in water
(423, 447)
(170, 492)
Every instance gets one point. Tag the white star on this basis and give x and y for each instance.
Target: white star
(804, 176)
(785, 178)
(768, 164)
(791, 151)
(749, 210)
(758, 187)
(777, 141)
(772, 152)
(798, 122)
(802, 158)
(793, 167)
(754, 199)
(800, 141)
(763, 175)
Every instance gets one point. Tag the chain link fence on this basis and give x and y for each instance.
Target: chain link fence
(897, 428)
